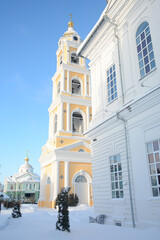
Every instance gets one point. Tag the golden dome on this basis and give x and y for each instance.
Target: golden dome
(70, 24)
(26, 159)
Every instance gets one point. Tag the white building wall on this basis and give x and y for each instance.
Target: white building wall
(142, 123)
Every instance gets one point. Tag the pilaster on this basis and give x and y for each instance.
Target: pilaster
(56, 179)
(68, 81)
(66, 178)
(68, 117)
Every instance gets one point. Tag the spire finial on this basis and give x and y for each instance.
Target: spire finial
(70, 24)
(70, 17)
(26, 158)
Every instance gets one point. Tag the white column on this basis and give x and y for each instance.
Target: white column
(89, 82)
(68, 117)
(56, 179)
(68, 81)
(52, 182)
(88, 117)
(85, 85)
(66, 178)
(42, 185)
(68, 60)
(61, 116)
(62, 82)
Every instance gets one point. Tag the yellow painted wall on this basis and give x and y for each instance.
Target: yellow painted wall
(65, 53)
(75, 106)
(61, 173)
(90, 113)
(67, 141)
(75, 167)
(65, 83)
(64, 116)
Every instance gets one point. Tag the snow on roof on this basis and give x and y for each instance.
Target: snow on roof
(4, 195)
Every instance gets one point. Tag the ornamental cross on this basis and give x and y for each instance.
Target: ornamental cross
(61, 177)
(70, 17)
(27, 152)
(61, 141)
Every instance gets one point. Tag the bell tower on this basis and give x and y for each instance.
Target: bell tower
(67, 151)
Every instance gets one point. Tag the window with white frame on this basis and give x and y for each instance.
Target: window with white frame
(80, 179)
(111, 84)
(60, 60)
(74, 58)
(116, 176)
(145, 49)
(153, 154)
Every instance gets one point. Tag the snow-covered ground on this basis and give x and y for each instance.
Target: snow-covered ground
(38, 223)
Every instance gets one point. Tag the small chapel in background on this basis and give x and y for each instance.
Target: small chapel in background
(66, 157)
(23, 186)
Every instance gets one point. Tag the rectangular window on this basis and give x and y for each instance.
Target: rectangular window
(111, 84)
(153, 155)
(116, 176)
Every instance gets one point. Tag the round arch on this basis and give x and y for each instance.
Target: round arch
(81, 82)
(83, 115)
(82, 188)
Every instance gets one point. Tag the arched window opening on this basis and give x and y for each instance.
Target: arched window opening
(58, 88)
(145, 51)
(74, 58)
(80, 178)
(76, 87)
(81, 150)
(77, 122)
(48, 180)
(55, 124)
(60, 61)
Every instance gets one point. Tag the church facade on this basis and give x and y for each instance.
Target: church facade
(123, 49)
(23, 186)
(66, 159)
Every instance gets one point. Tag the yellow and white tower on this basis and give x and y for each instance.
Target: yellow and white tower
(66, 158)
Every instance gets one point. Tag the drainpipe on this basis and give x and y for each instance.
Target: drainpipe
(128, 169)
(124, 122)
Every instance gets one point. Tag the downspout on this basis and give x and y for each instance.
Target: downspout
(125, 126)
(128, 169)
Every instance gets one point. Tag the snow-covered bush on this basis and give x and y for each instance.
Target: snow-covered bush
(73, 200)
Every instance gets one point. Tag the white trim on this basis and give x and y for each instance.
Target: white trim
(83, 173)
(68, 80)
(89, 181)
(56, 179)
(62, 81)
(68, 116)
(66, 176)
(85, 85)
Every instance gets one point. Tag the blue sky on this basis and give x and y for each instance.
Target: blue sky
(30, 30)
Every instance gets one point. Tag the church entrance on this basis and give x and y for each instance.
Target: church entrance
(81, 189)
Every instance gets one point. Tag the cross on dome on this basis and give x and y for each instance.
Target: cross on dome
(70, 24)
